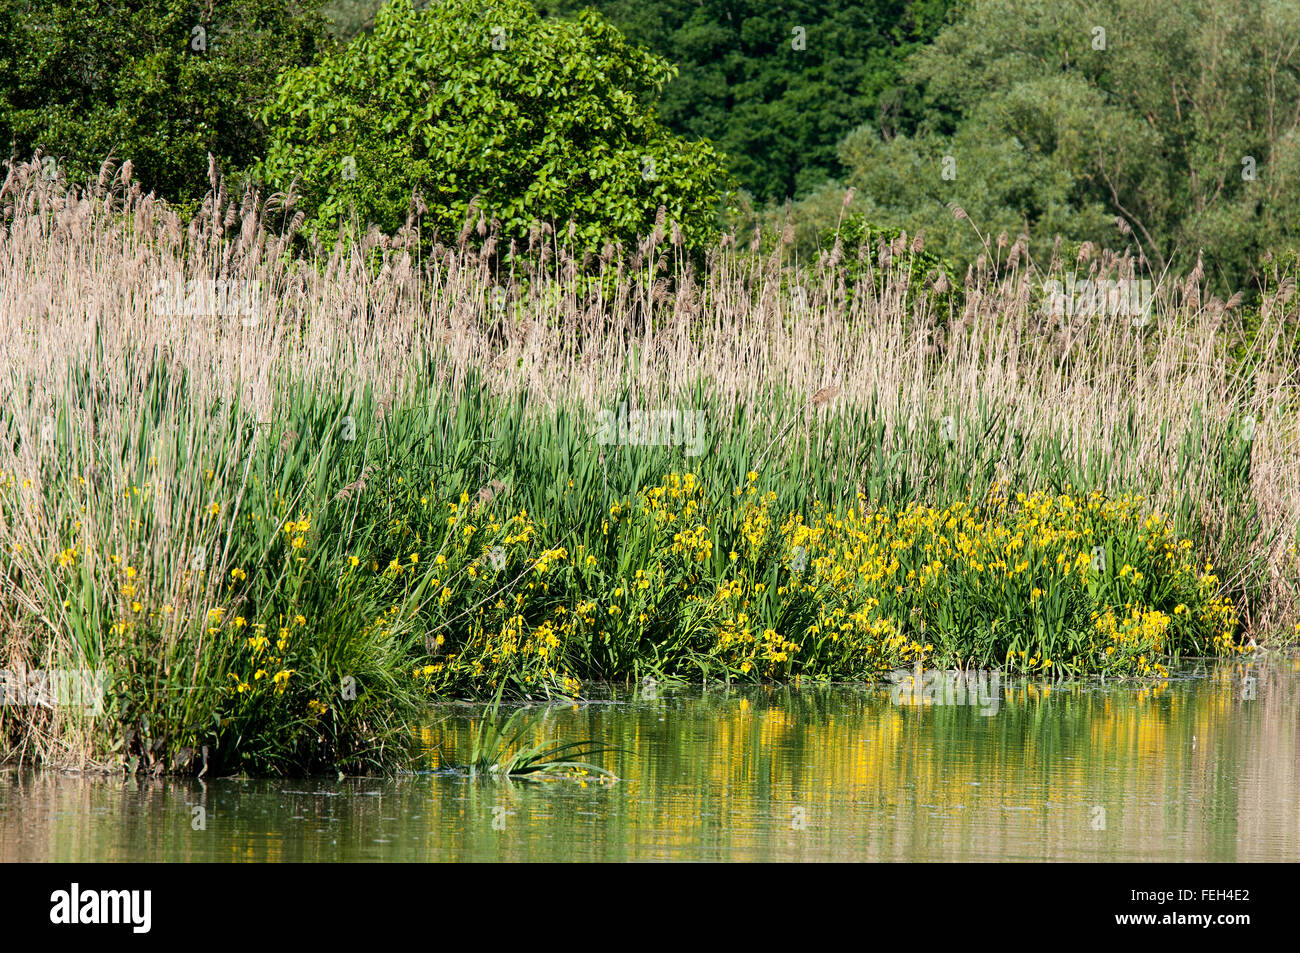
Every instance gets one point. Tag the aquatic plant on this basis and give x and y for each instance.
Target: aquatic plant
(276, 522)
(675, 582)
(499, 749)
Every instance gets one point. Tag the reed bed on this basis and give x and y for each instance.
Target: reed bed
(237, 467)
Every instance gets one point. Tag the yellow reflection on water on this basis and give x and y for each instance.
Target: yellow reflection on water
(1198, 768)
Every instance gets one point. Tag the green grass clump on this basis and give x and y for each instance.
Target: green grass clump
(502, 748)
(280, 596)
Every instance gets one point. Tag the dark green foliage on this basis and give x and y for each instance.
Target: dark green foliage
(160, 82)
(1170, 129)
(778, 112)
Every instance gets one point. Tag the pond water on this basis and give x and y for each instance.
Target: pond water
(1203, 767)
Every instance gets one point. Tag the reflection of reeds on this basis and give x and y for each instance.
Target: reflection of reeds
(1187, 771)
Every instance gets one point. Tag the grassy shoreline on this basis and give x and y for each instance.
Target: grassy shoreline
(279, 531)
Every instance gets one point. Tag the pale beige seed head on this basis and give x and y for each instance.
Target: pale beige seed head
(825, 395)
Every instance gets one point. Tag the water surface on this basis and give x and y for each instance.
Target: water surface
(1203, 767)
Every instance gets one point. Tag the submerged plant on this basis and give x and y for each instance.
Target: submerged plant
(498, 749)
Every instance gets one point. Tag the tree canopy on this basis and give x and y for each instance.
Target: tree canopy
(161, 82)
(1173, 129)
(776, 86)
(491, 107)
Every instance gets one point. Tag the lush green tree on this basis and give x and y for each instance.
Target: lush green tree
(350, 17)
(488, 105)
(777, 85)
(1000, 182)
(159, 82)
(1172, 128)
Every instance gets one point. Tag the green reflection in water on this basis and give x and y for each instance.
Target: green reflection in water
(1204, 767)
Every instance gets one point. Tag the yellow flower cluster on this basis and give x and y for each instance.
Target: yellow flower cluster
(1136, 638)
(1043, 582)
